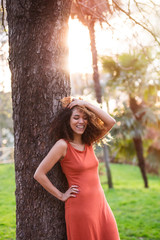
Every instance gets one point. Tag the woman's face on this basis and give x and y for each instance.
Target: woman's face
(78, 121)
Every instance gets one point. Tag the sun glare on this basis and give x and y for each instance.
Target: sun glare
(5, 80)
(108, 42)
(80, 58)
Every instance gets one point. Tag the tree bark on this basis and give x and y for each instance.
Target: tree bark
(38, 62)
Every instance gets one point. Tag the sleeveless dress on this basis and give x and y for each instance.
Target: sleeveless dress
(88, 215)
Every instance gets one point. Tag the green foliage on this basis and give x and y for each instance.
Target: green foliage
(128, 71)
(134, 62)
(150, 93)
(5, 110)
(131, 77)
(110, 66)
(6, 123)
(127, 125)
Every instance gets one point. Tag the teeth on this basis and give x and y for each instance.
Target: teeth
(80, 127)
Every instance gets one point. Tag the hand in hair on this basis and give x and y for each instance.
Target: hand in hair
(77, 102)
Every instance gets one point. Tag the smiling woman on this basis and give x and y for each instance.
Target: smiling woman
(75, 128)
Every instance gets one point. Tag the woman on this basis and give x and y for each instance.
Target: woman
(87, 213)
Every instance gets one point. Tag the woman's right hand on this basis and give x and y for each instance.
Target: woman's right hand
(71, 192)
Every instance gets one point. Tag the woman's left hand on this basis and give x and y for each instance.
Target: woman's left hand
(77, 102)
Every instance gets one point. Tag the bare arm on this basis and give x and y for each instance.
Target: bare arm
(104, 116)
(58, 151)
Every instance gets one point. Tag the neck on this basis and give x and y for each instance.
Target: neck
(77, 139)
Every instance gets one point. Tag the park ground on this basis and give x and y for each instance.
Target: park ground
(136, 209)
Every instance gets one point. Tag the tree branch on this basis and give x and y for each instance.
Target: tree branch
(134, 20)
(129, 6)
(140, 10)
(93, 13)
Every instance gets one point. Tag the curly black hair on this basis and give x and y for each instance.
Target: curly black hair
(60, 126)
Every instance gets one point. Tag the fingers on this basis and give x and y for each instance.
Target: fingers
(76, 102)
(74, 190)
(71, 192)
(74, 186)
(72, 104)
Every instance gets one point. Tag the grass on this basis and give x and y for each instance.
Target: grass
(7, 202)
(136, 209)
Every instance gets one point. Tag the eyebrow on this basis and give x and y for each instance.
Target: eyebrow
(77, 115)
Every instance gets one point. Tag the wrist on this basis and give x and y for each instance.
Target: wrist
(60, 196)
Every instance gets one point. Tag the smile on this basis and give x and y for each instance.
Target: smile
(80, 126)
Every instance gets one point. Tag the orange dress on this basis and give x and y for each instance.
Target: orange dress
(88, 215)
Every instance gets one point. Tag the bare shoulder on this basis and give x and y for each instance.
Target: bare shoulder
(62, 146)
(61, 143)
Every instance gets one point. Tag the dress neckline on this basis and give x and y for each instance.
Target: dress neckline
(78, 149)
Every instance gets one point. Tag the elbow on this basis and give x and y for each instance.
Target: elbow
(36, 175)
(113, 122)
(39, 175)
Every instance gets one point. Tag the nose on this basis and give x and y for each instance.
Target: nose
(81, 120)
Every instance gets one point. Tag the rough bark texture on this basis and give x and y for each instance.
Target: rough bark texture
(138, 142)
(38, 62)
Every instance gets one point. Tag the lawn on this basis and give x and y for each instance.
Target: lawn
(7, 202)
(136, 209)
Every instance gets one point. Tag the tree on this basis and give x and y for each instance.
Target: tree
(38, 62)
(128, 73)
(90, 12)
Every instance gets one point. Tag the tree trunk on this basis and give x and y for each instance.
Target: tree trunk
(141, 161)
(98, 92)
(38, 59)
(108, 171)
(138, 141)
(97, 85)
